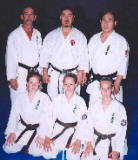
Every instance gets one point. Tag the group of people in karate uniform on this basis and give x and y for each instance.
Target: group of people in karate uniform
(46, 124)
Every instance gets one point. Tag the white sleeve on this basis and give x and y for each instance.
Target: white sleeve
(48, 120)
(82, 120)
(11, 58)
(45, 53)
(43, 129)
(118, 140)
(124, 56)
(83, 49)
(14, 118)
(90, 52)
(39, 42)
(89, 130)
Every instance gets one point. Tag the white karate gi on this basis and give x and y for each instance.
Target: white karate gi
(21, 49)
(113, 120)
(68, 112)
(115, 60)
(32, 112)
(63, 53)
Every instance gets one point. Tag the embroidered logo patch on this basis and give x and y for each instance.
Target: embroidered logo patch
(108, 47)
(74, 109)
(123, 122)
(72, 42)
(37, 105)
(126, 53)
(84, 116)
(112, 118)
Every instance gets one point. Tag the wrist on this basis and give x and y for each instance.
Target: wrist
(119, 79)
(46, 137)
(80, 71)
(13, 79)
(45, 71)
(78, 142)
(117, 82)
(89, 144)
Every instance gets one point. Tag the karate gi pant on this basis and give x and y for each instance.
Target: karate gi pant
(59, 145)
(55, 151)
(17, 147)
(56, 148)
(54, 85)
(102, 153)
(92, 157)
(95, 94)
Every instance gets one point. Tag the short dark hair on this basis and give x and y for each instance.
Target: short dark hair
(34, 74)
(71, 75)
(28, 6)
(107, 79)
(67, 8)
(110, 12)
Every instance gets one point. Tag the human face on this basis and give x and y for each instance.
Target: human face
(28, 16)
(69, 85)
(106, 89)
(108, 23)
(66, 18)
(33, 84)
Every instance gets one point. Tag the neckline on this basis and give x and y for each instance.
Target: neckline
(26, 35)
(110, 35)
(31, 101)
(108, 108)
(67, 35)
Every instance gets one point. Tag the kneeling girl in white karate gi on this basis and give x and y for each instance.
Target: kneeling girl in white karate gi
(107, 125)
(24, 128)
(66, 127)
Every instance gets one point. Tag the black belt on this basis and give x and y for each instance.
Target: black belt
(29, 127)
(28, 67)
(103, 137)
(66, 126)
(63, 71)
(98, 77)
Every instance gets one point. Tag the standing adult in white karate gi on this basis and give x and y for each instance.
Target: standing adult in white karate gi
(107, 125)
(64, 50)
(108, 53)
(22, 52)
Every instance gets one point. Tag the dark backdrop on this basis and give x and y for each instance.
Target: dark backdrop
(88, 13)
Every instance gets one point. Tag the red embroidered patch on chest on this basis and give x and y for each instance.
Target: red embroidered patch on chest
(72, 42)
